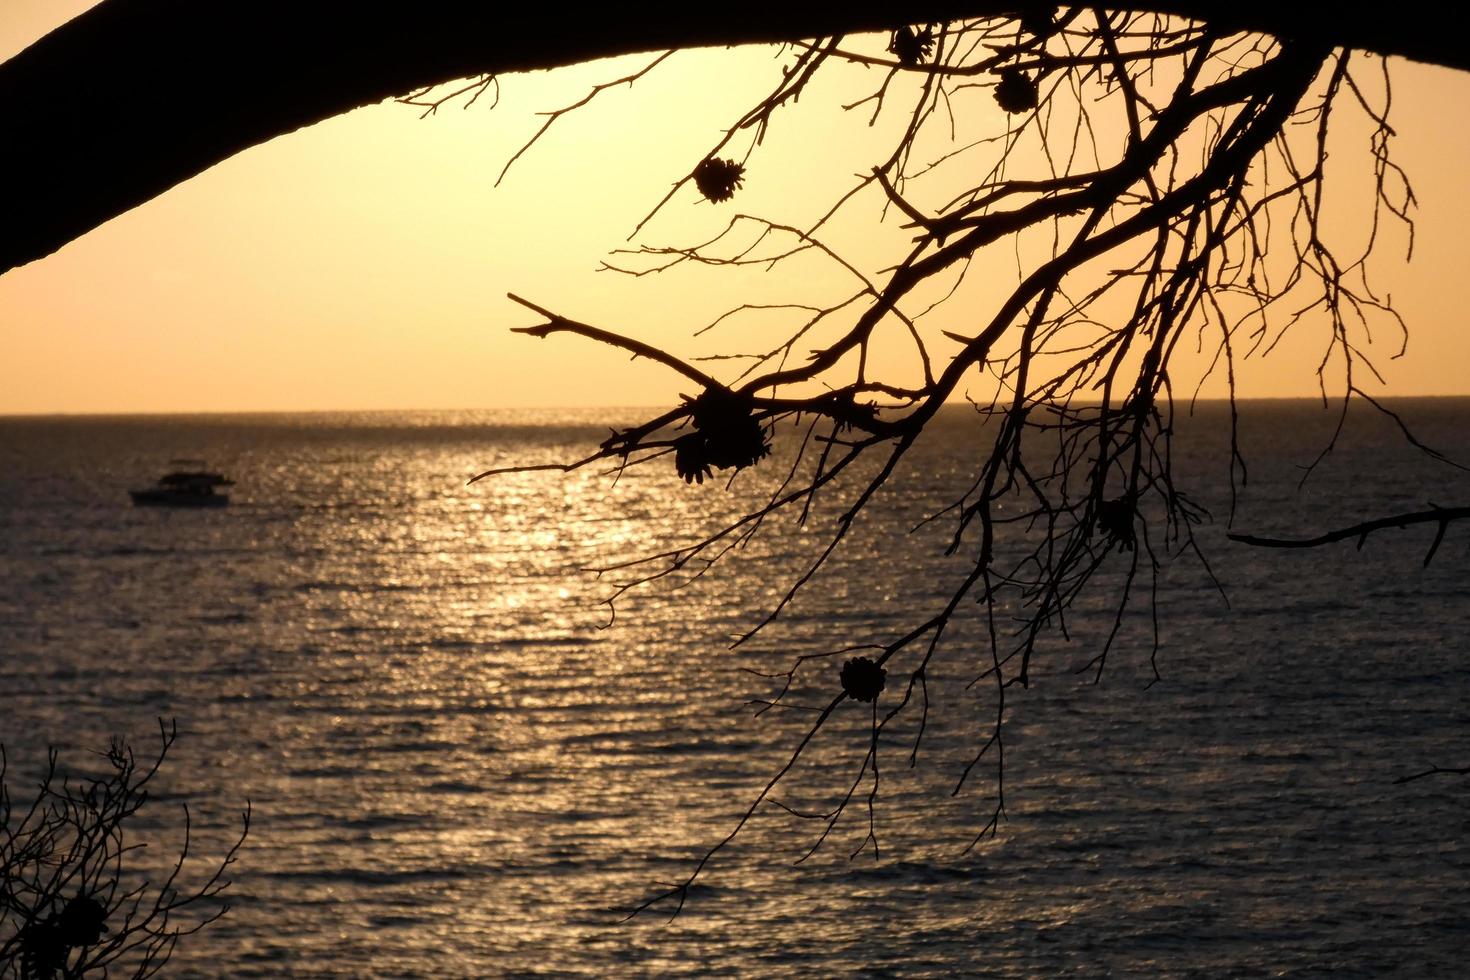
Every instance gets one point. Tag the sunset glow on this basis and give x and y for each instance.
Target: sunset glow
(984, 497)
(364, 263)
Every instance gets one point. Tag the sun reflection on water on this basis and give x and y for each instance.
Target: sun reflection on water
(457, 770)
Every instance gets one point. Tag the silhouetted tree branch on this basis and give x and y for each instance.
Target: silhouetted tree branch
(1440, 516)
(135, 96)
(1433, 771)
(72, 899)
(1178, 187)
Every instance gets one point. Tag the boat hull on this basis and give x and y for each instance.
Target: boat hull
(173, 498)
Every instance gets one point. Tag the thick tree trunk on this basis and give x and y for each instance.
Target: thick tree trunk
(136, 96)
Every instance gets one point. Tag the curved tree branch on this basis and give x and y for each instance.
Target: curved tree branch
(1435, 515)
(135, 96)
(555, 323)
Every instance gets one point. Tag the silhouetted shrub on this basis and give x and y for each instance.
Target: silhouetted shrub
(72, 902)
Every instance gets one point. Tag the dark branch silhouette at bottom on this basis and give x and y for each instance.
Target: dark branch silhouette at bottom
(1443, 516)
(73, 902)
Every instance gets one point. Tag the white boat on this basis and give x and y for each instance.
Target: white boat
(189, 486)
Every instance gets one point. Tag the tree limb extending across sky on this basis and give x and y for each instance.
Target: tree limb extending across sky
(135, 96)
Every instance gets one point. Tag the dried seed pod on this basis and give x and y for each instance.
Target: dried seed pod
(82, 921)
(726, 434)
(1039, 20)
(42, 950)
(911, 47)
(717, 179)
(1016, 91)
(1115, 519)
(862, 679)
(732, 435)
(690, 460)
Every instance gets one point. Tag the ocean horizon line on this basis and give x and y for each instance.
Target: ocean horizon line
(1180, 404)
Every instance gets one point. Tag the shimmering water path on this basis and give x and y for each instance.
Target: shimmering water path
(456, 771)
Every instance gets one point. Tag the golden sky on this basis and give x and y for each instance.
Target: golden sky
(364, 263)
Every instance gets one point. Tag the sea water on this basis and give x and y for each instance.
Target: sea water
(463, 761)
